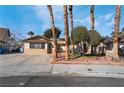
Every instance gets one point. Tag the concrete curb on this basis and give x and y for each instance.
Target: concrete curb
(68, 75)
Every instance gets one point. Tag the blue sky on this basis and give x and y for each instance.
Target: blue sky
(21, 19)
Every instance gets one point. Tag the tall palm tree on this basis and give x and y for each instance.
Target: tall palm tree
(53, 31)
(66, 32)
(71, 26)
(92, 23)
(116, 32)
(92, 16)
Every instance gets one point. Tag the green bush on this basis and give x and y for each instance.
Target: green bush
(79, 34)
(94, 38)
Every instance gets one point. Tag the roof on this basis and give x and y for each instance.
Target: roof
(61, 42)
(110, 39)
(4, 34)
(37, 39)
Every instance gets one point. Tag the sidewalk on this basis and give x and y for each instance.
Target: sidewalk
(62, 70)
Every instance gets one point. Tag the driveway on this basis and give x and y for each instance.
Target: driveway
(14, 64)
(10, 59)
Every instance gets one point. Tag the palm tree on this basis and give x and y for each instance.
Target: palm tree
(116, 32)
(92, 23)
(31, 33)
(71, 24)
(92, 16)
(53, 31)
(66, 32)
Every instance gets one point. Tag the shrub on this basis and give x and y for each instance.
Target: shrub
(94, 38)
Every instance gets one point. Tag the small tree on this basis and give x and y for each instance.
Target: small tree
(48, 33)
(30, 33)
(80, 33)
(94, 39)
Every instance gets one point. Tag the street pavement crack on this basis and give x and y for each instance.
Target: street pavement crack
(28, 81)
(51, 69)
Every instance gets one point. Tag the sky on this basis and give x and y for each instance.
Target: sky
(22, 19)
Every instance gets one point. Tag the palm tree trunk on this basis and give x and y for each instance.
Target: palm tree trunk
(92, 23)
(115, 35)
(71, 26)
(92, 16)
(66, 32)
(53, 32)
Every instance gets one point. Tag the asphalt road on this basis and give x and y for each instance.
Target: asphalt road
(59, 81)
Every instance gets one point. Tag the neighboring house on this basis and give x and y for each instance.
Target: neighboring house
(121, 39)
(4, 38)
(108, 41)
(61, 45)
(38, 45)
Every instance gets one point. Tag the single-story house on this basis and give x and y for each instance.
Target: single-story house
(4, 37)
(61, 45)
(108, 41)
(38, 45)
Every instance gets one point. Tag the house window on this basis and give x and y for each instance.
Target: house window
(37, 45)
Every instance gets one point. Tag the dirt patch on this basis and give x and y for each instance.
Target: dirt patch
(105, 60)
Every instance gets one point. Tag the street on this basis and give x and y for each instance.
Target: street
(17, 70)
(60, 81)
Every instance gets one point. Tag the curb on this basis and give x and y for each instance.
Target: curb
(73, 74)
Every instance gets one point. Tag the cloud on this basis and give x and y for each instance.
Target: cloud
(106, 17)
(111, 22)
(82, 21)
(105, 20)
(79, 20)
(43, 15)
(87, 19)
(41, 12)
(29, 28)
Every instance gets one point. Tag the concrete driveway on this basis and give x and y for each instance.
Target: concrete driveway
(17, 64)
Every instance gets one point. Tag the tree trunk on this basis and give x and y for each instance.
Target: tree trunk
(92, 16)
(66, 32)
(92, 22)
(71, 26)
(92, 52)
(53, 32)
(115, 35)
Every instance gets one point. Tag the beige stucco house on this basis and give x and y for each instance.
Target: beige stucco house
(61, 45)
(38, 45)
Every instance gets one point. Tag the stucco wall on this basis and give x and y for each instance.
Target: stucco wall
(30, 51)
(35, 52)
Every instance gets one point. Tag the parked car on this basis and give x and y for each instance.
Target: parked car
(2, 50)
(121, 50)
(21, 50)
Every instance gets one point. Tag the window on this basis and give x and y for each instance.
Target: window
(37, 45)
